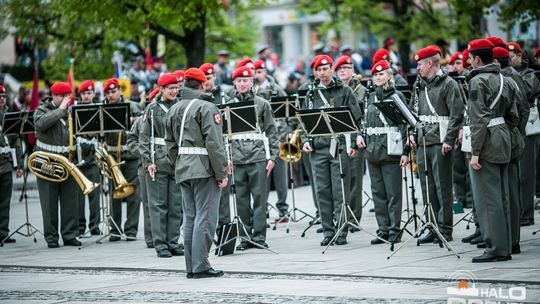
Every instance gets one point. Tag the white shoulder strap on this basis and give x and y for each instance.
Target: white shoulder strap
(499, 94)
(431, 108)
(163, 107)
(184, 122)
(326, 104)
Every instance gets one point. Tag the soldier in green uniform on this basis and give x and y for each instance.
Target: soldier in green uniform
(195, 144)
(253, 157)
(266, 87)
(386, 155)
(440, 106)
(10, 158)
(329, 91)
(86, 147)
(164, 194)
(345, 70)
(50, 120)
(493, 114)
(117, 142)
(532, 138)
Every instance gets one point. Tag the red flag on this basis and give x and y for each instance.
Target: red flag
(71, 78)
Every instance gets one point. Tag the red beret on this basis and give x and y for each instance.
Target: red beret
(207, 68)
(480, 44)
(314, 60)
(513, 46)
(259, 64)
(87, 85)
(153, 94)
(381, 65)
(342, 60)
(380, 54)
(428, 51)
(111, 84)
(322, 60)
(455, 56)
(2, 89)
(179, 75)
(196, 74)
(243, 62)
(61, 88)
(166, 79)
(500, 53)
(242, 72)
(537, 52)
(465, 61)
(497, 41)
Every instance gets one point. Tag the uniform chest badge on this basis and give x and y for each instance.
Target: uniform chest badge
(217, 118)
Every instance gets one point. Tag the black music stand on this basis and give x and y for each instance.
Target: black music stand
(89, 119)
(407, 91)
(240, 118)
(333, 122)
(16, 123)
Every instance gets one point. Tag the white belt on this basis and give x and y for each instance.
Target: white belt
(380, 130)
(114, 149)
(433, 119)
(5, 150)
(159, 141)
(192, 150)
(496, 121)
(249, 136)
(52, 148)
(91, 142)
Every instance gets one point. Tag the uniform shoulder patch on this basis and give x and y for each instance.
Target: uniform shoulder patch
(217, 118)
(474, 95)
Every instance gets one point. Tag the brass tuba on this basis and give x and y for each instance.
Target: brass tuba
(291, 151)
(57, 168)
(110, 168)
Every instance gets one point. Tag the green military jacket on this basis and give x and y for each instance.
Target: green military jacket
(517, 133)
(111, 139)
(159, 108)
(268, 90)
(445, 97)
(359, 91)
(337, 94)
(51, 125)
(398, 79)
(202, 129)
(376, 149)
(532, 84)
(9, 142)
(492, 144)
(133, 143)
(253, 151)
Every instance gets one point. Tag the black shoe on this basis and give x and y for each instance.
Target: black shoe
(210, 273)
(447, 237)
(114, 238)
(177, 251)
(260, 243)
(164, 253)
(243, 246)
(149, 245)
(95, 231)
(376, 241)
(526, 222)
(469, 238)
(394, 238)
(427, 239)
(341, 240)
(320, 230)
(326, 240)
(353, 229)
(479, 239)
(189, 275)
(73, 242)
(516, 249)
(8, 240)
(486, 257)
(481, 245)
(53, 245)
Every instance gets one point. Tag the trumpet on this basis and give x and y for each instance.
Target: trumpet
(291, 151)
(57, 168)
(110, 168)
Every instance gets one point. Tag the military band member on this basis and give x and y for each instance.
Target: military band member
(223, 71)
(86, 147)
(50, 120)
(195, 144)
(441, 107)
(7, 165)
(329, 91)
(117, 142)
(384, 54)
(532, 140)
(344, 70)
(253, 157)
(493, 114)
(385, 162)
(164, 194)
